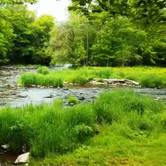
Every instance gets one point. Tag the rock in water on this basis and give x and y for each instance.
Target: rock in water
(5, 147)
(22, 96)
(23, 158)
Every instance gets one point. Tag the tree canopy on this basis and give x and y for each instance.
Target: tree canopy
(23, 36)
(97, 33)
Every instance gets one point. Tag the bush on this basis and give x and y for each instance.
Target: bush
(28, 79)
(73, 100)
(113, 106)
(43, 70)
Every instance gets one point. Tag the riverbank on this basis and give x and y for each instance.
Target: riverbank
(152, 77)
(107, 130)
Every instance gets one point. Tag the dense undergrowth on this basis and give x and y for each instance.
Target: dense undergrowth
(119, 125)
(146, 76)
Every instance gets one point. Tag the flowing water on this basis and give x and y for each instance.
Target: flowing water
(14, 96)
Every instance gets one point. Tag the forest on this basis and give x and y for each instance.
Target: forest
(97, 33)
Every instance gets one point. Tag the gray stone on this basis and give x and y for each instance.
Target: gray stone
(65, 88)
(22, 96)
(49, 96)
(71, 104)
(81, 98)
(22, 159)
(5, 147)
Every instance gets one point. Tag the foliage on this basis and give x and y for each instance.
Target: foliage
(17, 1)
(72, 100)
(70, 41)
(142, 11)
(43, 70)
(23, 36)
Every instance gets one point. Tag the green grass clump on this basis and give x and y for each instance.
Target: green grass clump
(100, 80)
(110, 125)
(73, 100)
(28, 79)
(43, 70)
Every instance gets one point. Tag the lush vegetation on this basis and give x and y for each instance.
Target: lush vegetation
(146, 76)
(111, 33)
(120, 126)
(23, 36)
(100, 33)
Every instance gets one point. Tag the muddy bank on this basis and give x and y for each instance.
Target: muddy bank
(7, 159)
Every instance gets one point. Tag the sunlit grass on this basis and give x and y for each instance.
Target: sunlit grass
(146, 76)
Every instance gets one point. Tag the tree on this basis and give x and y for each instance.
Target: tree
(70, 42)
(40, 30)
(145, 11)
(30, 35)
(18, 2)
(115, 43)
(6, 35)
(21, 19)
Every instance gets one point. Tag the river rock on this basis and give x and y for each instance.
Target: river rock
(22, 159)
(65, 88)
(81, 98)
(1, 164)
(22, 96)
(49, 96)
(5, 147)
(51, 87)
(71, 104)
(121, 81)
(9, 86)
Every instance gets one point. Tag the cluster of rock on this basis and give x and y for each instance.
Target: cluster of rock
(17, 67)
(114, 82)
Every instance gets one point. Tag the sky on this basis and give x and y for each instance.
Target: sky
(57, 8)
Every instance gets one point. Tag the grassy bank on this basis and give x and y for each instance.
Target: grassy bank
(146, 76)
(120, 126)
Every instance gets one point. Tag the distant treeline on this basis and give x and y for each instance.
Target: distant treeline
(94, 35)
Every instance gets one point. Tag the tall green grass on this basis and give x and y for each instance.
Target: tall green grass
(49, 128)
(43, 70)
(27, 79)
(146, 76)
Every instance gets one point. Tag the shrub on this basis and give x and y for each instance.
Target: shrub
(43, 70)
(113, 106)
(152, 81)
(28, 79)
(72, 99)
